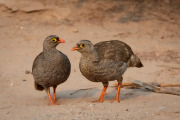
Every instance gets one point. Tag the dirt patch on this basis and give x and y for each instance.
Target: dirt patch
(151, 28)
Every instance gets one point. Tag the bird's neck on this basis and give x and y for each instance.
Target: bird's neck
(50, 52)
(91, 56)
(49, 49)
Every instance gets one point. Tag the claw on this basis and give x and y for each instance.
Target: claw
(116, 99)
(101, 99)
(117, 94)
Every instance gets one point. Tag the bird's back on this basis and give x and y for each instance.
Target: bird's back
(114, 49)
(118, 51)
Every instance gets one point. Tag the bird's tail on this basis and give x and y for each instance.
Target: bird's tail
(38, 87)
(135, 62)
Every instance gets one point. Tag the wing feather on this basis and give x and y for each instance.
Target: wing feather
(114, 49)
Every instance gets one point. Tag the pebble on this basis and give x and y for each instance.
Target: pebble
(75, 30)
(27, 72)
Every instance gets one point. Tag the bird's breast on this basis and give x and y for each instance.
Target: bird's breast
(105, 70)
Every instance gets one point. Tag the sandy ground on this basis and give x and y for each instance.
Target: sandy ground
(154, 40)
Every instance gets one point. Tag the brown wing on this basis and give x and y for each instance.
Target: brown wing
(37, 61)
(114, 49)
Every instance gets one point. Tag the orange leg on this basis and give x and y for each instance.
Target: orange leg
(50, 99)
(117, 94)
(101, 99)
(47, 89)
(54, 94)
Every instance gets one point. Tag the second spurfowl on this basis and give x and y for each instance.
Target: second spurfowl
(106, 61)
(51, 67)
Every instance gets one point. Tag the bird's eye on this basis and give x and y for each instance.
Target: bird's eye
(54, 40)
(82, 45)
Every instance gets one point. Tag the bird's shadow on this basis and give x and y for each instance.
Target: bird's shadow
(74, 94)
(127, 93)
(89, 94)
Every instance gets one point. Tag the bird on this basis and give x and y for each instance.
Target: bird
(51, 67)
(106, 61)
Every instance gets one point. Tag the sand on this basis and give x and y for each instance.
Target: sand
(154, 38)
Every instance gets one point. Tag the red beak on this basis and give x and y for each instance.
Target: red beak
(75, 48)
(61, 41)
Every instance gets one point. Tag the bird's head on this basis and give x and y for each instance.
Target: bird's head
(84, 46)
(52, 41)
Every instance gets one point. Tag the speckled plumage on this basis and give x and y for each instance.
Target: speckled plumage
(51, 67)
(106, 61)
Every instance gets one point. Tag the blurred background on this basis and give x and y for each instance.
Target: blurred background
(150, 27)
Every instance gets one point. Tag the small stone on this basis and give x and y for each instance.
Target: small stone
(75, 30)
(126, 109)
(21, 27)
(24, 80)
(27, 72)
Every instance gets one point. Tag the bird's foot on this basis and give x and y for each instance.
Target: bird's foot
(54, 104)
(115, 99)
(100, 101)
